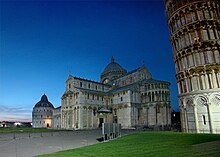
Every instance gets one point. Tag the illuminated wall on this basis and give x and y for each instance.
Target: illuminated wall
(194, 34)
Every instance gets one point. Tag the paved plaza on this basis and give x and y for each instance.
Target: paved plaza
(27, 145)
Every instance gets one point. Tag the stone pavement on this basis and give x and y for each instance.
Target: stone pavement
(27, 145)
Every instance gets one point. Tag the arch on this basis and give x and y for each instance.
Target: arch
(89, 107)
(201, 100)
(189, 102)
(215, 99)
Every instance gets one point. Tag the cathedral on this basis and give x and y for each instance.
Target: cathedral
(130, 98)
(195, 37)
(133, 99)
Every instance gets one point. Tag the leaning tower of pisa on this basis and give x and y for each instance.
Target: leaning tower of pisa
(194, 34)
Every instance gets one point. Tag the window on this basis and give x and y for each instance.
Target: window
(93, 97)
(121, 98)
(87, 96)
(180, 87)
(111, 101)
(97, 97)
(139, 113)
(158, 109)
(106, 81)
(153, 96)
(96, 87)
(69, 85)
(94, 112)
(204, 121)
(89, 85)
(80, 84)
(190, 84)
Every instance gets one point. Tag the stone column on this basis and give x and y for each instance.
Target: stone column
(187, 84)
(211, 80)
(156, 114)
(92, 118)
(197, 80)
(147, 115)
(167, 114)
(210, 117)
(87, 118)
(181, 119)
(80, 117)
(215, 85)
(207, 81)
(203, 81)
(216, 32)
(196, 119)
(194, 82)
(186, 120)
(218, 77)
(179, 91)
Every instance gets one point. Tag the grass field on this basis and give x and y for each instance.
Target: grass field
(150, 144)
(24, 129)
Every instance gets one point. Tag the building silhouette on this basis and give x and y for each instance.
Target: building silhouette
(194, 34)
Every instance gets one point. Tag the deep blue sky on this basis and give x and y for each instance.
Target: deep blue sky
(43, 41)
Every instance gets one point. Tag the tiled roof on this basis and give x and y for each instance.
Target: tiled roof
(151, 80)
(92, 91)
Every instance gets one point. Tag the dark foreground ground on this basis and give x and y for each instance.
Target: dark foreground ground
(30, 144)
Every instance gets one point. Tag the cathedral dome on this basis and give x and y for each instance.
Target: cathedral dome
(113, 66)
(44, 102)
(111, 71)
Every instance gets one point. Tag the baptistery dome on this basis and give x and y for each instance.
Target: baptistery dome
(44, 102)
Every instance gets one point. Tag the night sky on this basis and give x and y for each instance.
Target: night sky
(42, 42)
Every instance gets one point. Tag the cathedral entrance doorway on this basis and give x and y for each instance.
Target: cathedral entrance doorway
(101, 120)
(48, 125)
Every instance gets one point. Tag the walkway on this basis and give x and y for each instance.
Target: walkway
(27, 145)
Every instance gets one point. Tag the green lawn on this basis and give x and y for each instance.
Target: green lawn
(24, 129)
(150, 144)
